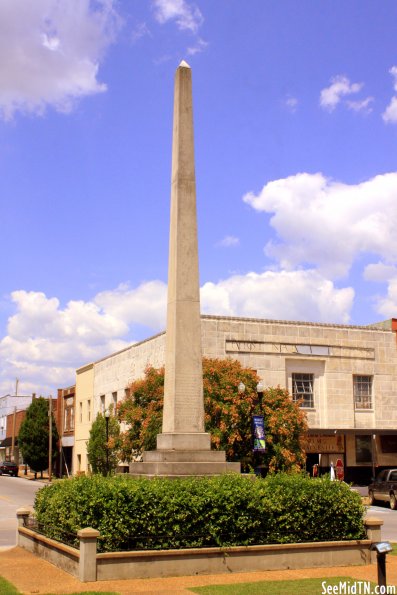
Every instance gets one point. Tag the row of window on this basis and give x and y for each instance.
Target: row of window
(302, 390)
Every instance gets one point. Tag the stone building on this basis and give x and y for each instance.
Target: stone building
(345, 375)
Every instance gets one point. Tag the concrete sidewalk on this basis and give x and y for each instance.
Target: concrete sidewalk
(31, 574)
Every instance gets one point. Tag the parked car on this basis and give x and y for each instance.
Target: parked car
(384, 488)
(9, 467)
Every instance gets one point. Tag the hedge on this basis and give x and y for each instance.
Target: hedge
(228, 510)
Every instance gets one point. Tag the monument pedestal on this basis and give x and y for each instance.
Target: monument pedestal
(174, 463)
(183, 455)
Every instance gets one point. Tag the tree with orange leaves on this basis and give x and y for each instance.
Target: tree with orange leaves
(228, 415)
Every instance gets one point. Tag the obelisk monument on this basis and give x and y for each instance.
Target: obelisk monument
(183, 447)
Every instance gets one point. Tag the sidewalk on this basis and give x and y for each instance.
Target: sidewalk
(31, 574)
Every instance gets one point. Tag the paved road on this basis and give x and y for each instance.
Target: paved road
(15, 492)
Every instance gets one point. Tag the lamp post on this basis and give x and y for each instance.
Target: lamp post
(241, 388)
(107, 415)
(259, 391)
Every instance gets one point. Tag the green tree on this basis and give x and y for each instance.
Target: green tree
(33, 437)
(228, 416)
(103, 455)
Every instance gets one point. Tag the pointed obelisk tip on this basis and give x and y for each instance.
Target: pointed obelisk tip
(183, 64)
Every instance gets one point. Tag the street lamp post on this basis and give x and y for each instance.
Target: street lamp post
(107, 415)
(259, 391)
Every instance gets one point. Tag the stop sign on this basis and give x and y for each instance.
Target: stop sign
(339, 469)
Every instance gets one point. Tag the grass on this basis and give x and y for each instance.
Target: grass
(307, 586)
(7, 588)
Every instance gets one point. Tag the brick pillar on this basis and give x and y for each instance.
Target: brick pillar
(373, 527)
(87, 566)
(22, 514)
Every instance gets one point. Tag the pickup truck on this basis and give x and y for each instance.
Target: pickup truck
(384, 488)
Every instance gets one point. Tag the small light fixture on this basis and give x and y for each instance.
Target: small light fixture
(260, 387)
(241, 388)
(107, 413)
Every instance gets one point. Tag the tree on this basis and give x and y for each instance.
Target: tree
(103, 455)
(228, 415)
(33, 437)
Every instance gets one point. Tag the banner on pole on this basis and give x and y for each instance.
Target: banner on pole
(258, 433)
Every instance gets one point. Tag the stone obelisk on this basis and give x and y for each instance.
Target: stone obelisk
(183, 447)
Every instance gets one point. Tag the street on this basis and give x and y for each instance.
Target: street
(15, 492)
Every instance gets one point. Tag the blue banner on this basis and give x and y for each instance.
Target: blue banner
(258, 433)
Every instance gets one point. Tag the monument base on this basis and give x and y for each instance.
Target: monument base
(186, 462)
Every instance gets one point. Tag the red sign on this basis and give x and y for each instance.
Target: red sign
(339, 469)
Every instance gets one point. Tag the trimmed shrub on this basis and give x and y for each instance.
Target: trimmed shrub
(201, 512)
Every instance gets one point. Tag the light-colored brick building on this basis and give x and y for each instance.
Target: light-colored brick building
(346, 376)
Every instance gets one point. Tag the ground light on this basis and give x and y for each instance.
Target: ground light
(382, 548)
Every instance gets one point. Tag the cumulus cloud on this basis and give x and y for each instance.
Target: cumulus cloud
(50, 51)
(327, 224)
(387, 305)
(228, 241)
(200, 46)
(363, 106)
(379, 272)
(287, 295)
(339, 87)
(291, 103)
(390, 113)
(186, 15)
(145, 304)
(46, 342)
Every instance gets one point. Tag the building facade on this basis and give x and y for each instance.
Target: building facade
(344, 376)
(10, 404)
(65, 421)
(84, 403)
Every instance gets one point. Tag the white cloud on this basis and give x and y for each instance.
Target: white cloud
(340, 86)
(286, 295)
(50, 52)
(327, 224)
(387, 305)
(144, 305)
(45, 343)
(363, 106)
(228, 241)
(186, 15)
(139, 31)
(291, 103)
(200, 46)
(379, 272)
(390, 113)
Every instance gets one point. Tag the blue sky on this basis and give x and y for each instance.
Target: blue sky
(295, 109)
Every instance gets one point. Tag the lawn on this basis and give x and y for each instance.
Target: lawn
(308, 586)
(7, 588)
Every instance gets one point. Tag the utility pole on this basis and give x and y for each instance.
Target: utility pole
(50, 440)
(13, 433)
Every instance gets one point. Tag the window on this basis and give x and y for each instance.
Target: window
(114, 397)
(102, 403)
(89, 410)
(362, 392)
(68, 423)
(363, 449)
(81, 411)
(302, 389)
